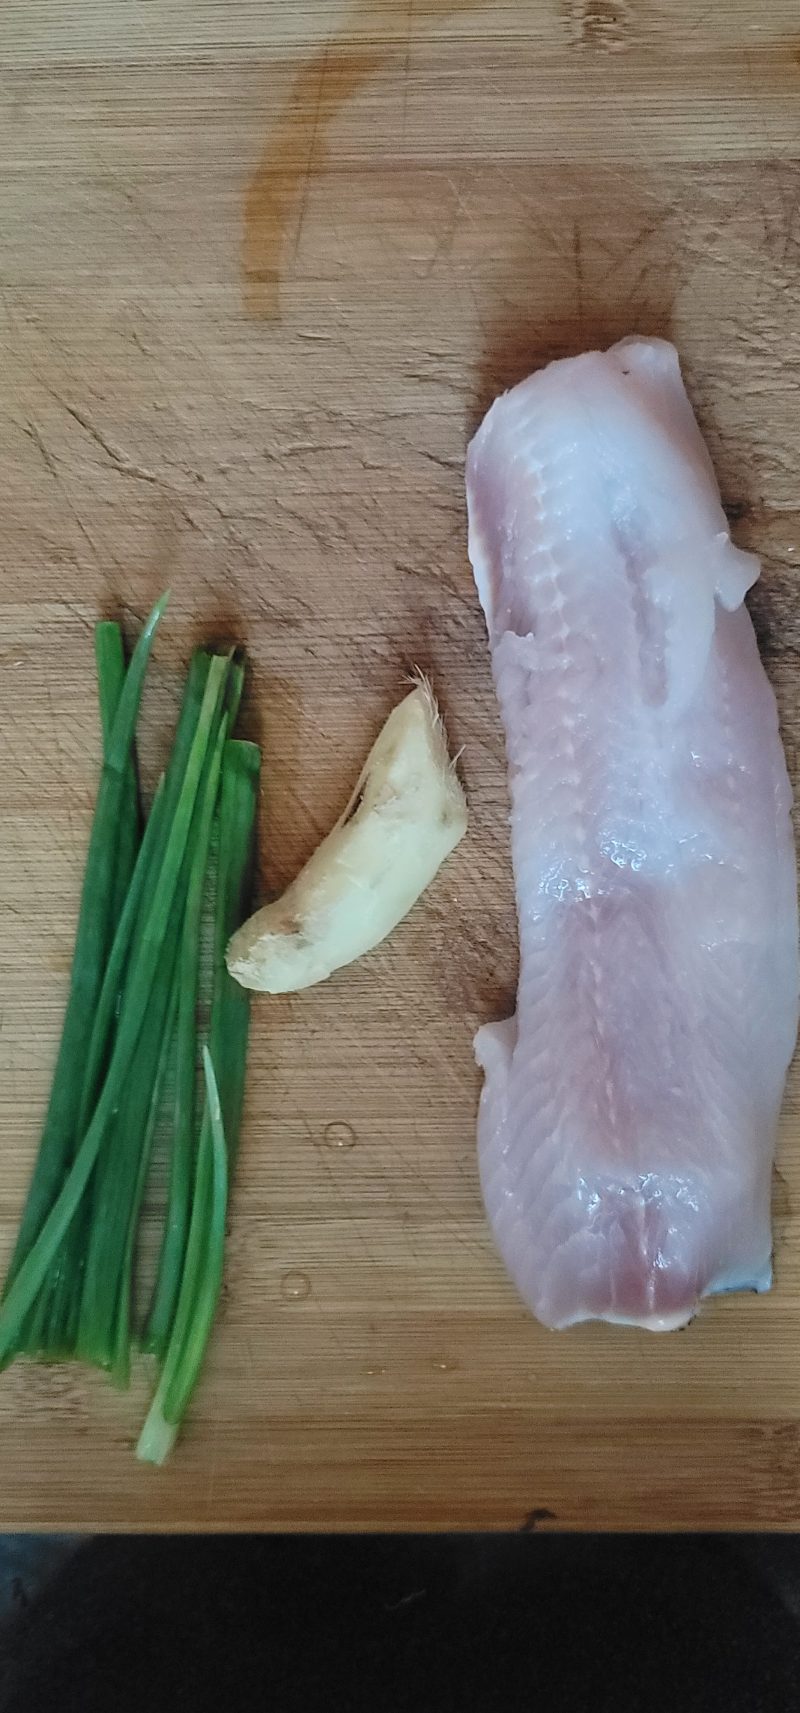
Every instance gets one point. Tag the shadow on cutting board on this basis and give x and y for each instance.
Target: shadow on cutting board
(559, 292)
(414, 1625)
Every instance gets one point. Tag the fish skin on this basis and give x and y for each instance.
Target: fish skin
(629, 1112)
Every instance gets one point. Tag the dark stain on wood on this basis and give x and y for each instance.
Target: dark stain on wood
(531, 1522)
(293, 154)
(738, 511)
(295, 150)
(602, 24)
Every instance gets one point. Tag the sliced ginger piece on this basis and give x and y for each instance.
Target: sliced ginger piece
(406, 814)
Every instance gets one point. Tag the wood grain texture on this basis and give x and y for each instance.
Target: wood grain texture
(264, 266)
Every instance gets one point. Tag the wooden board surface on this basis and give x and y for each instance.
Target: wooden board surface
(264, 265)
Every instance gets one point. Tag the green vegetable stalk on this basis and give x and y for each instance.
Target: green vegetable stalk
(131, 1030)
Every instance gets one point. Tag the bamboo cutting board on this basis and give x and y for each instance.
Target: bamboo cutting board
(263, 267)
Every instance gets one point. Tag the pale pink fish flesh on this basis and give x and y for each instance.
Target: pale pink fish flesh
(629, 1112)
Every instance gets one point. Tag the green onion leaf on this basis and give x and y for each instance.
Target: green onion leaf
(202, 1267)
(31, 1273)
(178, 1208)
(200, 1285)
(91, 946)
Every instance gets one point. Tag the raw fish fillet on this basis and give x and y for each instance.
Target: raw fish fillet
(628, 1117)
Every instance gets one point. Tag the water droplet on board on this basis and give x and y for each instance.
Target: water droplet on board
(295, 1286)
(340, 1135)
